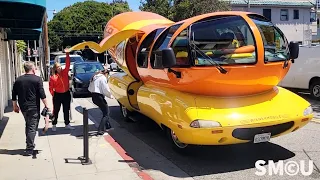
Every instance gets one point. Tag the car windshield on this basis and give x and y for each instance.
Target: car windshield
(275, 44)
(88, 68)
(224, 41)
(72, 59)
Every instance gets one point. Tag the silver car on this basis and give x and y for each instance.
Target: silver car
(114, 66)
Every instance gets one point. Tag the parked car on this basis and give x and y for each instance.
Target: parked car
(304, 73)
(81, 74)
(113, 65)
(73, 58)
(62, 60)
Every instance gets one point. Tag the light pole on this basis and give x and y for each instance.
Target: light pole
(248, 5)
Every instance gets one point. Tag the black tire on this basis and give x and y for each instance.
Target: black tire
(74, 94)
(177, 146)
(315, 90)
(125, 113)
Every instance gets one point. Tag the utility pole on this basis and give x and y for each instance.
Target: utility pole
(46, 63)
(36, 54)
(248, 5)
(317, 6)
(28, 51)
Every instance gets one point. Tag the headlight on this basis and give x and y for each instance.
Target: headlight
(204, 124)
(77, 80)
(308, 111)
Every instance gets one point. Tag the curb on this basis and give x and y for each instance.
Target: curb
(129, 160)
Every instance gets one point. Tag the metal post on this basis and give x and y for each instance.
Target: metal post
(35, 56)
(85, 160)
(248, 5)
(30, 51)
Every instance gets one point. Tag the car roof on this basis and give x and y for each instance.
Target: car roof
(87, 62)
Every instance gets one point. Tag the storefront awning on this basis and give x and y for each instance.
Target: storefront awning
(23, 34)
(22, 13)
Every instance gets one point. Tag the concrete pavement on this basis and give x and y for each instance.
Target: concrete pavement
(54, 147)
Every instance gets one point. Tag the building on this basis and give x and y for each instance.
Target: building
(19, 20)
(316, 36)
(296, 18)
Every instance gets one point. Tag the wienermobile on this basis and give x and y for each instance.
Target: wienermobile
(207, 80)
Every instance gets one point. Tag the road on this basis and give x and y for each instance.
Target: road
(147, 145)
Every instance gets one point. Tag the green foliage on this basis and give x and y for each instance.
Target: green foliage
(21, 46)
(161, 7)
(119, 6)
(82, 19)
(178, 10)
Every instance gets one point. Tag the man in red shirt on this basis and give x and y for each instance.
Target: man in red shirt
(60, 90)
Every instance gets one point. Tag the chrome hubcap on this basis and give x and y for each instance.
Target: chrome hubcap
(316, 91)
(176, 140)
(124, 111)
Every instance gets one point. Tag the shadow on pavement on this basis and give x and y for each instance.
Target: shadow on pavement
(14, 152)
(204, 160)
(3, 124)
(77, 132)
(5, 119)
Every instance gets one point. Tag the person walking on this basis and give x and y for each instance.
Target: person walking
(99, 89)
(60, 90)
(28, 90)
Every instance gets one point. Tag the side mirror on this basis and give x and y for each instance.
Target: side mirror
(168, 58)
(294, 50)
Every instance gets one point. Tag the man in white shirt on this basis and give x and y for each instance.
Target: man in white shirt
(99, 89)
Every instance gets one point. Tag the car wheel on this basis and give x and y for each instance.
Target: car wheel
(177, 146)
(74, 94)
(315, 90)
(125, 113)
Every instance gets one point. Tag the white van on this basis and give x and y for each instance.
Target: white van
(305, 72)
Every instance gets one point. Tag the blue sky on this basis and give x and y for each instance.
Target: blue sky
(58, 5)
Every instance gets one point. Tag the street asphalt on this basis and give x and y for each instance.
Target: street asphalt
(147, 145)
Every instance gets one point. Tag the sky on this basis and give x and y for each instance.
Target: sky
(58, 5)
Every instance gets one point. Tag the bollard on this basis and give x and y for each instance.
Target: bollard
(85, 159)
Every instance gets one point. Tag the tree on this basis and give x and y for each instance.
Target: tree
(21, 46)
(178, 10)
(161, 7)
(119, 6)
(82, 21)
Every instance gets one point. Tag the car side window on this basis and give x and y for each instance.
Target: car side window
(144, 49)
(180, 47)
(161, 43)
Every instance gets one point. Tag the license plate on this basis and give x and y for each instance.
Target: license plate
(265, 137)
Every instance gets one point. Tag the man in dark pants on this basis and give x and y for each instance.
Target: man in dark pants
(29, 89)
(99, 89)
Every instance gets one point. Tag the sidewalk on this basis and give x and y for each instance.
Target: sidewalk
(54, 147)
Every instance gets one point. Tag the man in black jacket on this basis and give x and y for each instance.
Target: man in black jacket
(29, 89)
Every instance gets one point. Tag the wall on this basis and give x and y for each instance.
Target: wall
(293, 28)
(9, 68)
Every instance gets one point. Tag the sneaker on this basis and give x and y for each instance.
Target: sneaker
(108, 125)
(70, 127)
(54, 128)
(28, 152)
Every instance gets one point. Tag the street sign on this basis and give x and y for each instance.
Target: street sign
(35, 53)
